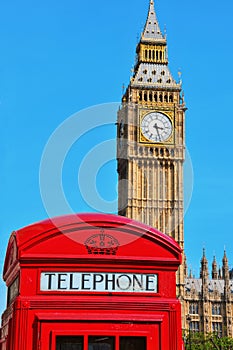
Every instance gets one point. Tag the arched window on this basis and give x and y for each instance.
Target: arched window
(216, 309)
(171, 98)
(217, 328)
(155, 97)
(161, 98)
(193, 308)
(165, 98)
(145, 96)
(194, 326)
(146, 54)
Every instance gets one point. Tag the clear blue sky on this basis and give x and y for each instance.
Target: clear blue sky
(59, 57)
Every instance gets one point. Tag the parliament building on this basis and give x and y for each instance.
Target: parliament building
(150, 156)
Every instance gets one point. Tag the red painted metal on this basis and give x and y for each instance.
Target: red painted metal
(95, 247)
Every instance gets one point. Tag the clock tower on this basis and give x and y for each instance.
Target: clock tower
(150, 146)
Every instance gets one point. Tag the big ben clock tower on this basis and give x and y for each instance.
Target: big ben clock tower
(150, 147)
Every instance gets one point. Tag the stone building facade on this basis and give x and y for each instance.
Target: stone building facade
(208, 302)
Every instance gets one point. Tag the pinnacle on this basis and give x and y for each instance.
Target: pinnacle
(152, 31)
(214, 261)
(204, 256)
(225, 260)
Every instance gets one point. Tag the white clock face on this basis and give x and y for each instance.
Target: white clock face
(156, 127)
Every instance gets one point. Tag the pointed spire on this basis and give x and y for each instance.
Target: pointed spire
(214, 269)
(151, 67)
(204, 266)
(226, 276)
(203, 260)
(151, 30)
(225, 267)
(225, 260)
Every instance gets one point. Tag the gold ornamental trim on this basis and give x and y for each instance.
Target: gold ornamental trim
(147, 142)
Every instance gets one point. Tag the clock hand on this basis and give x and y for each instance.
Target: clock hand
(157, 129)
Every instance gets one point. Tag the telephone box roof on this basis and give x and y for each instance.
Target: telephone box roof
(79, 236)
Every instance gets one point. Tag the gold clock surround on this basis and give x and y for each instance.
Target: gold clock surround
(147, 142)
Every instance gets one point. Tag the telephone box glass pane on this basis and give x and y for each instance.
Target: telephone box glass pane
(69, 343)
(101, 343)
(132, 343)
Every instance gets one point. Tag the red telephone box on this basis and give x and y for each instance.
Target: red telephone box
(91, 282)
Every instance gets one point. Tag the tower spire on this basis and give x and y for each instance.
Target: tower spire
(151, 68)
(152, 31)
(214, 269)
(225, 267)
(204, 266)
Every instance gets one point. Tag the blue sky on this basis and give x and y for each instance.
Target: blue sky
(59, 57)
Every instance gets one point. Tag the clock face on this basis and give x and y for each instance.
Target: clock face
(156, 127)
